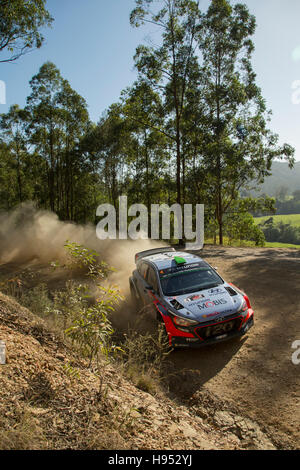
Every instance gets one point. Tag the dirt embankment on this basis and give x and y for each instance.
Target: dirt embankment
(239, 394)
(50, 400)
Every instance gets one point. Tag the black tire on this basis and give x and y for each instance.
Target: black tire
(135, 300)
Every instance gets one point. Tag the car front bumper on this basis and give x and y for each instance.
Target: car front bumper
(195, 341)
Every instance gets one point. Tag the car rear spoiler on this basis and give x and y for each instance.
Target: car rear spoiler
(155, 251)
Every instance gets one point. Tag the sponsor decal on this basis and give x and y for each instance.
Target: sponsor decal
(214, 314)
(216, 291)
(182, 267)
(211, 303)
(208, 315)
(192, 298)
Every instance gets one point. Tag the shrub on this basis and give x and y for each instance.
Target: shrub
(91, 328)
(89, 325)
(37, 300)
(144, 358)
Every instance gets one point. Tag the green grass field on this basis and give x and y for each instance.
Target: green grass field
(246, 243)
(281, 245)
(292, 219)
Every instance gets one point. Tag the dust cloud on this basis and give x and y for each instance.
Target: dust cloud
(31, 235)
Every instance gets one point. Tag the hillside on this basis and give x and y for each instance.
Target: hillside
(292, 219)
(50, 400)
(282, 176)
(234, 395)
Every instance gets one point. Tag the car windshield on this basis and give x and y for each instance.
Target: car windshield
(189, 280)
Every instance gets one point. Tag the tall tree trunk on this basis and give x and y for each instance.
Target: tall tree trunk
(148, 201)
(51, 172)
(219, 180)
(177, 107)
(19, 178)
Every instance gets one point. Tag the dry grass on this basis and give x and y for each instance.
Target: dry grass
(144, 358)
(24, 434)
(50, 399)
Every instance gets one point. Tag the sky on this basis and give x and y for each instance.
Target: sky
(93, 44)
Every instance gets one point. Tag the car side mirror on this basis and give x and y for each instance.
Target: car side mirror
(216, 268)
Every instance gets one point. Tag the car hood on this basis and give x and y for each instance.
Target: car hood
(205, 305)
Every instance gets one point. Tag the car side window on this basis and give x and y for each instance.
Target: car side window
(152, 279)
(143, 269)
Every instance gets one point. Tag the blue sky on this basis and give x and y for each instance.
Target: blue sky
(92, 43)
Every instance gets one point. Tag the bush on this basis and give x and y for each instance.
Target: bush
(37, 300)
(241, 226)
(280, 232)
(91, 328)
(144, 358)
(89, 325)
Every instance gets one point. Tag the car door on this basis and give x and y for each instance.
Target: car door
(141, 282)
(151, 286)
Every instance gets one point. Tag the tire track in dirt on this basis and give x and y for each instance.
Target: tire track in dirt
(254, 373)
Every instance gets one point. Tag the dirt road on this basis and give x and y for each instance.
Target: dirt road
(255, 374)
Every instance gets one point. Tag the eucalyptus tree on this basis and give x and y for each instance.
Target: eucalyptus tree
(44, 129)
(13, 133)
(58, 121)
(147, 155)
(106, 146)
(8, 178)
(20, 24)
(167, 67)
(238, 146)
(74, 123)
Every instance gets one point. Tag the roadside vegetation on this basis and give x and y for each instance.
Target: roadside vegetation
(283, 225)
(82, 313)
(192, 128)
(283, 229)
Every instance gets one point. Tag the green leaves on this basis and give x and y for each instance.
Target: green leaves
(91, 329)
(83, 258)
(238, 147)
(171, 68)
(58, 120)
(89, 326)
(21, 21)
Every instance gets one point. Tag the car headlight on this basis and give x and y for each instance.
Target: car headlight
(244, 308)
(180, 321)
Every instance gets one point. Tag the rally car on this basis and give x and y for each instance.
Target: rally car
(195, 305)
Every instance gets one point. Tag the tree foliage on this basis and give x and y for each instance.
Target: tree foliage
(193, 128)
(20, 25)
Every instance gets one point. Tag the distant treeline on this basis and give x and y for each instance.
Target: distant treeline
(280, 232)
(289, 206)
(193, 127)
(282, 182)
